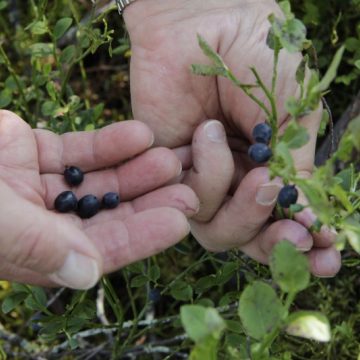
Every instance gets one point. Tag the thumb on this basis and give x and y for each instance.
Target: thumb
(36, 239)
(213, 168)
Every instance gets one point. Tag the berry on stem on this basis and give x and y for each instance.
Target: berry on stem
(260, 153)
(88, 206)
(288, 196)
(73, 175)
(262, 133)
(65, 202)
(110, 200)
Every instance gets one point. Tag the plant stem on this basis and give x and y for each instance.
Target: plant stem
(245, 88)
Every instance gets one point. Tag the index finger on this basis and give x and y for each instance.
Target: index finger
(92, 150)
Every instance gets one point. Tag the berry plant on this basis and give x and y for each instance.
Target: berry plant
(64, 67)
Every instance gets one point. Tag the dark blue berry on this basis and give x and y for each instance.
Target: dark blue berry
(65, 202)
(110, 200)
(73, 175)
(154, 295)
(35, 322)
(260, 153)
(288, 196)
(88, 206)
(262, 133)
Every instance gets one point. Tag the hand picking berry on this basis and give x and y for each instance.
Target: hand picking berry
(110, 200)
(260, 153)
(262, 133)
(65, 202)
(88, 206)
(73, 176)
(288, 196)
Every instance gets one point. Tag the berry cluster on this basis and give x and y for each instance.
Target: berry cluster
(87, 206)
(260, 153)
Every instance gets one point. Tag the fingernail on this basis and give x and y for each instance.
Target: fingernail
(180, 170)
(330, 265)
(267, 194)
(330, 233)
(215, 131)
(308, 217)
(78, 272)
(152, 140)
(304, 249)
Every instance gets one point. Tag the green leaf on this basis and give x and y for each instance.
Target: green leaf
(225, 273)
(154, 273)
(12, 301)
(286, 8)
(353, 238)
(200, 322)
(309, 325)
(38, 27)
(207, 349)
(205, 283)
(357, 64)
(210, 53)
(86, 310)
(41, 50)
(208, 70)
(61, 27)
(48, 108)
(331, 72)
(296, 208)
(51, 89)
(68, 54)
(260, 309)
(39, 296)
(52, 325)
(289, 267)
(139, 281)
(3, 4)
(291, 33)
(295, 136)
(181, 291)
(6, 98)
(301, 70)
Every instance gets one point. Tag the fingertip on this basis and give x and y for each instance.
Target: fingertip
(325, 262)
(288, 230)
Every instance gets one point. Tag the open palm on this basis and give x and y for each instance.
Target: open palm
(41, 246)
(173, 102)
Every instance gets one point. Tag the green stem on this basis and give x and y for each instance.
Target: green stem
(112, 299)
(270, 97)
(245, 89)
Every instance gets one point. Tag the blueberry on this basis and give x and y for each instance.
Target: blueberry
(65, 202)
(154, 295)
(260, 153)
(288, 196)
(88, 206)
(111, 200)
(73, 175)
(262, 133)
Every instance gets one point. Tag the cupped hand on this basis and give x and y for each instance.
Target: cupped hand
(41, 246)
(173, 102)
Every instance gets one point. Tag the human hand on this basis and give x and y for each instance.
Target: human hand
(174, 102)
(41, 246)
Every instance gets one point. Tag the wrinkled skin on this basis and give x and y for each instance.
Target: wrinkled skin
(36, 241)
(177, 104)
